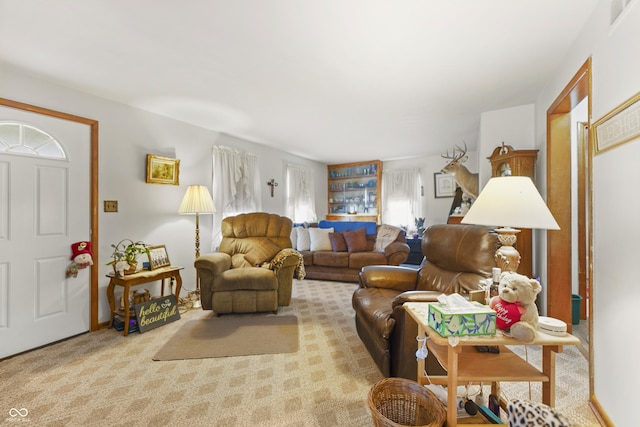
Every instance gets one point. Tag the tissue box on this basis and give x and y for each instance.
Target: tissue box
(476, 320)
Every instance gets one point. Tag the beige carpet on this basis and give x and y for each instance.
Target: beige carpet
(107, 379)
(232, 335)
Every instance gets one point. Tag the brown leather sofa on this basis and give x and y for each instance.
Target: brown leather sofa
(345, 266)
(457, 257)
(254, 268)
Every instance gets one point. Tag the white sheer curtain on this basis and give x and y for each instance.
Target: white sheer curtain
(236, 186)
(401, 197)
(300, 202)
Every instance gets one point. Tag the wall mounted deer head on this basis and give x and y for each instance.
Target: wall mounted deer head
(467, 181)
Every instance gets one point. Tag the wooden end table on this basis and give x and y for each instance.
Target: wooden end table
(464, 364)
(142, 277)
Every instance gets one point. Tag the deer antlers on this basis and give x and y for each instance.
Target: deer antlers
(455, 157)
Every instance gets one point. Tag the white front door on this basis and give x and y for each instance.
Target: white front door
(44, 208)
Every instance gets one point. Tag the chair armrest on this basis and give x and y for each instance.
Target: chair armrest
(286, 258)
(287, 264)
(388, 277)
(416, 296)
(207, 268)
(214, 262)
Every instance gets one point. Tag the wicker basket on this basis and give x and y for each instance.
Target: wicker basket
(399, 402)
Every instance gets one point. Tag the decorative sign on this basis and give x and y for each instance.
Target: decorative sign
(619, 125)
(156, 312)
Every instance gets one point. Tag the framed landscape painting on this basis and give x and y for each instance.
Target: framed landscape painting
(162, 170)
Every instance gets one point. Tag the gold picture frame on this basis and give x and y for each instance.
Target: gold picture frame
(620, 125)
(162, 170)
(158, 257)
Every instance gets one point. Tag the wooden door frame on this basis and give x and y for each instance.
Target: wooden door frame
(559, 191)
(93, 188)
(558, 181)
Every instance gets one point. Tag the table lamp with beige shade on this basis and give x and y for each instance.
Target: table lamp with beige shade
(509, 202)
(196, 201)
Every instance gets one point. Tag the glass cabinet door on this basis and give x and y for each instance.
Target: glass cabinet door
(353, 191)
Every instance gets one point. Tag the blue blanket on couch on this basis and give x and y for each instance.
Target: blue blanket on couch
(340, 226)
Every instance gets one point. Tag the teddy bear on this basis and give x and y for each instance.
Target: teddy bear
(515, 305)
(81, 257)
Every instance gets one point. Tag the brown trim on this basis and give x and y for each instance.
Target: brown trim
(558, 200)
(93, 124)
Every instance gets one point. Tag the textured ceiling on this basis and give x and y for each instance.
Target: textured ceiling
(329, 80)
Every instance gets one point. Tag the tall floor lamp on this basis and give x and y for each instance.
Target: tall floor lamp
(197, 200)
(510, 201)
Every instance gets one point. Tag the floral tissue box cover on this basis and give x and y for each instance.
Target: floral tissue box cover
(474, 321)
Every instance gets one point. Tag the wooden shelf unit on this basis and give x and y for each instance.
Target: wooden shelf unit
(354, 191)
(485, 367)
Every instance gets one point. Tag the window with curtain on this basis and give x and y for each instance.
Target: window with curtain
(236, 185)
(401, 197)
(300, 202)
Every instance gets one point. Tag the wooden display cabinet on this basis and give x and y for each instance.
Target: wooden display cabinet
(505, 161)
(354, 191)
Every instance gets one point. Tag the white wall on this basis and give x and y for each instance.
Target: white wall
(512, 126)
(435, 211)
(616, 294)
(148, 212)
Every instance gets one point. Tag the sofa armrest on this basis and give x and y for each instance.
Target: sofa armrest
(388, 277)
(397, 252)
(416, 296)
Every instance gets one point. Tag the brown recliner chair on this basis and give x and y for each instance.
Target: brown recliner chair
(254, 267)
(457, 257)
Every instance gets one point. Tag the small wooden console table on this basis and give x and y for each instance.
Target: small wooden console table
(464, 364)
(129, 280)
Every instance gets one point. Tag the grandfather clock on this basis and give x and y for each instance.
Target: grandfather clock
(506, 161)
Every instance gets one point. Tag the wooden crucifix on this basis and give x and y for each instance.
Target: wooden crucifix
(273, 184)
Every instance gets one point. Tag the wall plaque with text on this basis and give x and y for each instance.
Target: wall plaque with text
(156, 312)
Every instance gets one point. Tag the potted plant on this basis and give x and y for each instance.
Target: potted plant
(124, 258)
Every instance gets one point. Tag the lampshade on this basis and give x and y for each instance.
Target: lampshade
(197, 200)
(511, 201)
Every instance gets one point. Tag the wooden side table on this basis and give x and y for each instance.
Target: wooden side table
(464, 364)
(129, 280)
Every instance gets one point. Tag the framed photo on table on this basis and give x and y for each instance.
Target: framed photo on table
(158, 257)
(444, 185)
(162, 170)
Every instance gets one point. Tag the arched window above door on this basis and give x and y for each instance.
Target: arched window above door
(24, 139)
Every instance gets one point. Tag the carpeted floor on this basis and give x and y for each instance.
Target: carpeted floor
(106, 379)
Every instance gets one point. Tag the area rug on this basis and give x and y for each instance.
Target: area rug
(232, 335)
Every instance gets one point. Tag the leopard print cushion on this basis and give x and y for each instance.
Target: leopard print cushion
(523, 413)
